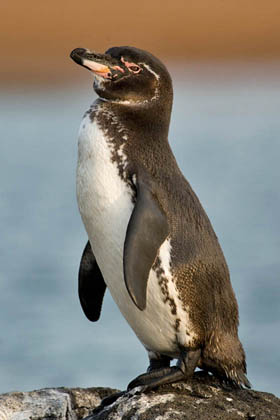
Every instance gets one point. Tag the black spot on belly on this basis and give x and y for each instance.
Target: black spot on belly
(163, 283)
(173, 306)
(118, 140)
(177, 324)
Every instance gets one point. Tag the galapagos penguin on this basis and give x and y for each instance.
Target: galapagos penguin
(150, 240)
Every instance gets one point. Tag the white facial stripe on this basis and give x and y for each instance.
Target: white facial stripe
(150, 70)
(100, 79)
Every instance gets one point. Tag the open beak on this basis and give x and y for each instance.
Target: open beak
(97, 63)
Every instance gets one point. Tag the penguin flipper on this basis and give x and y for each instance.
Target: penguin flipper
(146, 231)
(91, 285)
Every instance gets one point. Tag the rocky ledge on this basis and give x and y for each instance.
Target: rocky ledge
(200, 398)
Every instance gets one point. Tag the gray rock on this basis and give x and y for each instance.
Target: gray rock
(201, 398)
(51, 404)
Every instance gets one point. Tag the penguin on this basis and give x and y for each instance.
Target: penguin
(150, 241)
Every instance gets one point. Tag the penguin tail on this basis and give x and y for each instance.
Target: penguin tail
(236, 378)
(224, 357)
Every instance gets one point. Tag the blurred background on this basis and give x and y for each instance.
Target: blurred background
(224, 58)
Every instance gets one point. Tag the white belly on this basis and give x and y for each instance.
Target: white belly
(105, 205)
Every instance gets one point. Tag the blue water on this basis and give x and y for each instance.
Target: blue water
(225, 134)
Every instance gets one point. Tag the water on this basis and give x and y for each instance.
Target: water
(225, 135)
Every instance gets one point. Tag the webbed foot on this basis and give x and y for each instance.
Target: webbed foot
(108, 401)
(166, 375)
(154, 378)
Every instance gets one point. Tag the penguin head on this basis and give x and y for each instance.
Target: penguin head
(127, 75)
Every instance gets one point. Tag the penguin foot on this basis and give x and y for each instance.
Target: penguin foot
(167, 375)
(154, 378)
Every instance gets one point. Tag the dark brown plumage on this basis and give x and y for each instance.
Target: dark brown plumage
(141, 102)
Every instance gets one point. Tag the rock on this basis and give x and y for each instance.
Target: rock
(201, 398)
(51, 404)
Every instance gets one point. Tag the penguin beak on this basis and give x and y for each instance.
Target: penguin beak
(97, 63)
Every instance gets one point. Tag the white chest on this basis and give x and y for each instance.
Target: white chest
(106, 206)
(104, 199)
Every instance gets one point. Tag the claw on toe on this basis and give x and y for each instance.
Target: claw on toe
(111, 398)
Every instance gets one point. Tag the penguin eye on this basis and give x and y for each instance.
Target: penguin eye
(131, 66)
(134, 68)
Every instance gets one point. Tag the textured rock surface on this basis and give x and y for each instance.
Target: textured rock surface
(51, 404)
(200, 399)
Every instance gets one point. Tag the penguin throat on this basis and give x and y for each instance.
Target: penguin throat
(131, 102)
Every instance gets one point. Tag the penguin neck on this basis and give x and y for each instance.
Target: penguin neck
(148, 118)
